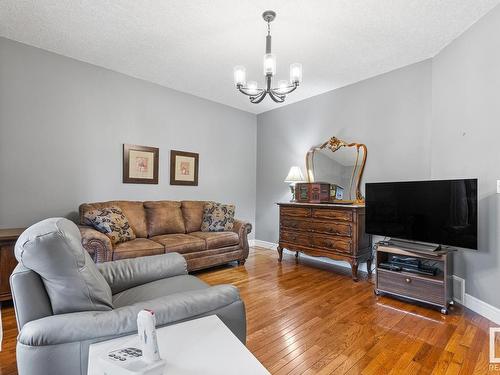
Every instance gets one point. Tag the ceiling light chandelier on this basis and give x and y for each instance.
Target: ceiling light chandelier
(284, 88)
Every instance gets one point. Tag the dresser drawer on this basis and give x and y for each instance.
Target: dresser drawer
(334, 243)
(303, 239)
(341, 229)
(325, 213)
(295, 211)
(294, 224)
(411, 286)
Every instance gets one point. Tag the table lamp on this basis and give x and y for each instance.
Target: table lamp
(294, 175)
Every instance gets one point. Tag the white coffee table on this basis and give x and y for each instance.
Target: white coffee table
(201, 346)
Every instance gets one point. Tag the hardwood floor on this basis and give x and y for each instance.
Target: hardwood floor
(311, 318)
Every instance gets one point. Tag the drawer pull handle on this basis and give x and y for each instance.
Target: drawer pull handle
(408, 280)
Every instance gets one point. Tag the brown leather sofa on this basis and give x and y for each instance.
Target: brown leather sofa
(165, 227)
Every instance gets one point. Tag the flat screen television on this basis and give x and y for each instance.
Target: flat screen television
(441, 212)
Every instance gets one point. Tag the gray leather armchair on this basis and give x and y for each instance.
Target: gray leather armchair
(64, 302)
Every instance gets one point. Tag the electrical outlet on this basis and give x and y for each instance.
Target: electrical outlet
(498, 186)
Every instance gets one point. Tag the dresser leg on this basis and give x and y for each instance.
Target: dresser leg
(354, 268)
(280, 253)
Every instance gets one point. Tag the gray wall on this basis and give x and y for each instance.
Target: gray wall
(435, 119)
(390, 113)
(465, 140)
(63, 123)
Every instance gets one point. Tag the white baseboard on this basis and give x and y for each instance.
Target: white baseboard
(482, 308)
(264, 244)
(475, 304)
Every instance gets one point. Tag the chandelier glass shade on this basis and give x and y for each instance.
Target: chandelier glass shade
(277, 94)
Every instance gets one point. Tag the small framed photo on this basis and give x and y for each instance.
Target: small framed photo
(183, 168)
(140, 164)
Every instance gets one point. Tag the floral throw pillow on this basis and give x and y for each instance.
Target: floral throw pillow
(217, 217)
(112, 222)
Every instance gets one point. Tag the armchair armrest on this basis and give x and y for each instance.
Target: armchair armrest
(97, 244)
(243, 228)
(128, 273)
(95, 325)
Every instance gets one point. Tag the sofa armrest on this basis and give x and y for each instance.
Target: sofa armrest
(97, 244)
(95, 325)
(243, 228)
(127, 273)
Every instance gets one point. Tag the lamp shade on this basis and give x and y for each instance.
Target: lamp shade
(295, 175)
(282, 86)
(239, 75)
(296, 73)
(252, 88)
(269, 64)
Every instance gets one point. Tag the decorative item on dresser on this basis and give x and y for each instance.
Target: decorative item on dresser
(326, 230)
(434, 288)
(8, 262)
(313, 192)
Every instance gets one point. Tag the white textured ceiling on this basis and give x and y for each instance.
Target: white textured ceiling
(192, 46)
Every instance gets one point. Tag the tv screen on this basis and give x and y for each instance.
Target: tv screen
(442, 212)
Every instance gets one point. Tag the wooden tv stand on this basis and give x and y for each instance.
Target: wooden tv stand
(435, 290)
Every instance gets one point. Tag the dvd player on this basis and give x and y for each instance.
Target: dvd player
(411, 265)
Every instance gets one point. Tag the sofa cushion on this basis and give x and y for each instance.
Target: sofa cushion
(192, 211)
(137, 248)
(53, 249)
(217, 217)
(158, 289)
(133, 210)
(112, 222)
(164, 217)
(180, 243)
(216, 240)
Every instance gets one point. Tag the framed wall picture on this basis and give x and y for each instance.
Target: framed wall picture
(140, 164)
(183, 168)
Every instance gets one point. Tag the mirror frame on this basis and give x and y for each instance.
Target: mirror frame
(333, 144)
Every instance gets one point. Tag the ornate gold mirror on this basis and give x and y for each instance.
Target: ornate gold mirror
(341, 164)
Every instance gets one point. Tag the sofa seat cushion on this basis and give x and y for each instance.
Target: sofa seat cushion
(215, 240)
(137, 248)
(158, 289)
(180, 243)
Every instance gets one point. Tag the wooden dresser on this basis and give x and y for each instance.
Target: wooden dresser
(8, 262)
(326, 230)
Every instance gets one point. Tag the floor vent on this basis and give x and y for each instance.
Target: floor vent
(458, 289)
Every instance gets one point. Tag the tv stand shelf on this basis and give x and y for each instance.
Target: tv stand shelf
(435, 290)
